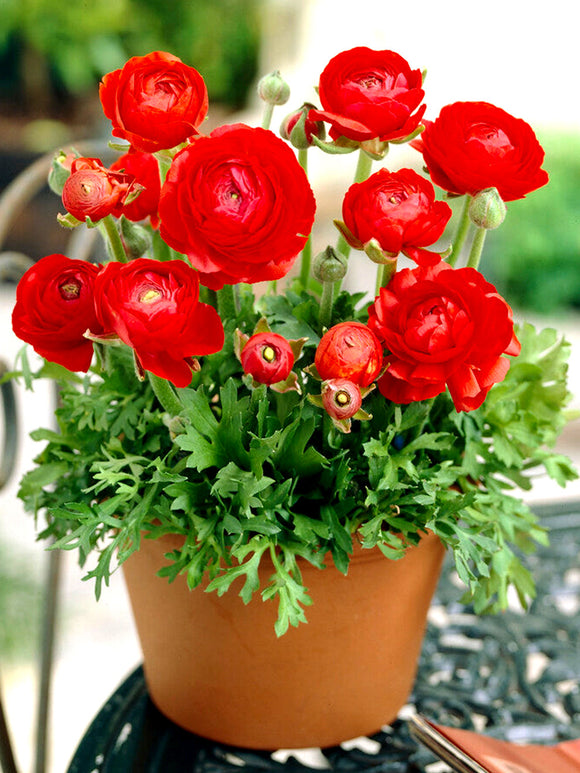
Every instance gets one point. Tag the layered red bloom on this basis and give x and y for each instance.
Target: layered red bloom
(442, 327)
(367, 94)
(399, 210)
(94, 191)
(475, 145)
(267, 357)
(153, 307)
(155, 101)
(349, 350)
(238, 204)
(54, 308)
(145, 169)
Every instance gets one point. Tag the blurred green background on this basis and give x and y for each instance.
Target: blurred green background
(52, 51)
(534, 257)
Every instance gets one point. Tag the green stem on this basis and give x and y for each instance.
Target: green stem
(385, 272)
(463, 226)
(306, 258)
(108, 228)
(267, 117)
(363, 167)
(476, 248)
(226, 301)
(166, 394)
(305, 263)
(326, 303)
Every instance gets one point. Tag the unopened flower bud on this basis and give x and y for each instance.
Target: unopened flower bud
(349, 350)
(273, 89)
(267, 357)
(300, 129)
(329, 265)
(60, 171)
(94, 191)
(487, 209)
(136, 239)
(341, 398)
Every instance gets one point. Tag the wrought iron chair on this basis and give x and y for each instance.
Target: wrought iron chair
(14, 199)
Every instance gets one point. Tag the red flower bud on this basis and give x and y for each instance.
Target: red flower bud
(267, 357)
(300, 129)
(341, 398)
(349, 350)
(94, 191)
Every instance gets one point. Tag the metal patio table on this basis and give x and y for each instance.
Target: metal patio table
(513, 676)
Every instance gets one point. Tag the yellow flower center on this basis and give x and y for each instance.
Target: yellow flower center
(70, 290)
(342, 397)
(149, 296)
(268, 354)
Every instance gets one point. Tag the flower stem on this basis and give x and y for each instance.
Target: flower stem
(166, 394)
(227, 303)
(461, 232)
(326, 303)
(267, 117)
(476, 248)
(363, 167)
(385, 272)
(108, 229)
(306, 257)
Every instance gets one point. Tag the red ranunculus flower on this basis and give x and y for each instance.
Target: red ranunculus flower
(238, 204)
(267, 357)
(474, 145)
(399, 210)
(442, 327)
(145, 169)
(153, 307)
(94, 191)
(155, 102)
(367, 94)
(349, 350)
(54, 308)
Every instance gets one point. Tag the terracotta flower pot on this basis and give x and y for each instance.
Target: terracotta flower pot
(215, 666)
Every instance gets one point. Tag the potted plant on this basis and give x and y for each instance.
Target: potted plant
(290, 461)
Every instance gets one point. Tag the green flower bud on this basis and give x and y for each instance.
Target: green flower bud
(487, 209)
(300, 129)
(273, 89)
(59, 171)
(136, 239)
(329, 266)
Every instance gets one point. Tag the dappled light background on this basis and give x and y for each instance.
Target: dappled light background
(520, 56)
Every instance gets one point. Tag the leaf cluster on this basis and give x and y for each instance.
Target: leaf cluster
(256, 482)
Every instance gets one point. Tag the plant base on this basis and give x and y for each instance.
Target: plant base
(215, 666)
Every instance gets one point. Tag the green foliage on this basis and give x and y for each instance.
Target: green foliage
(79, 44)
(533, 257)
(246, 474)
